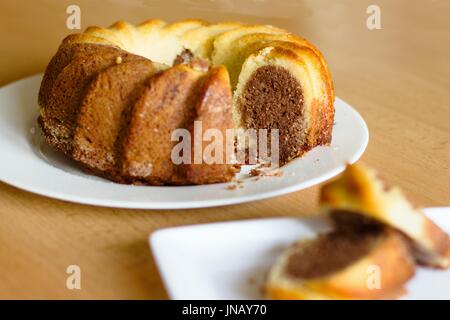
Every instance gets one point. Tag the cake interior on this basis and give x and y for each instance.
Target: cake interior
(273, 99)
(331, 252)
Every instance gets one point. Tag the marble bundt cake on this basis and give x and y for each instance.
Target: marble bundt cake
(111, 98)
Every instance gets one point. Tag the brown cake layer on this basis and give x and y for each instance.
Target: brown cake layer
(100, 119)
(330, 253)
(273, 99)
(96, 113)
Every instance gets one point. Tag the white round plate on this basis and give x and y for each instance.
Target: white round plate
(27, 163)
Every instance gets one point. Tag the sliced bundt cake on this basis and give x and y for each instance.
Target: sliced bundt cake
(278, 81)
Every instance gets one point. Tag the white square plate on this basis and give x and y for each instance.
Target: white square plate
(229, 260)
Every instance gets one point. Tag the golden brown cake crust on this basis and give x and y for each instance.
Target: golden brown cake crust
(66, 53)
(286, 87)
(167, 103)
(273, 99)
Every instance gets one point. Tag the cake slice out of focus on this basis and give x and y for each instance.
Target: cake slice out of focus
(372, 263)
(359, 189)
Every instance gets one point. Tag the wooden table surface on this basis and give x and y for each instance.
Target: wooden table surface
(397, 77)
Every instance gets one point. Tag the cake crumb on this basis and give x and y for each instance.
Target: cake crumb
(232, 187)
(258, 172)
(274, 173)
(255, 172)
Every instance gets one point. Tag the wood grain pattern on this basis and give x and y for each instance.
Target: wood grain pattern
(397, 77)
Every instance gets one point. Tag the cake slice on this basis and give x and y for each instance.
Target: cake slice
(372, 263)
(68, 51)
(213, 112)
(223, 46)
(101, 115)
(360, 190)
(167, 103)
(200, 41)
(58, 117)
